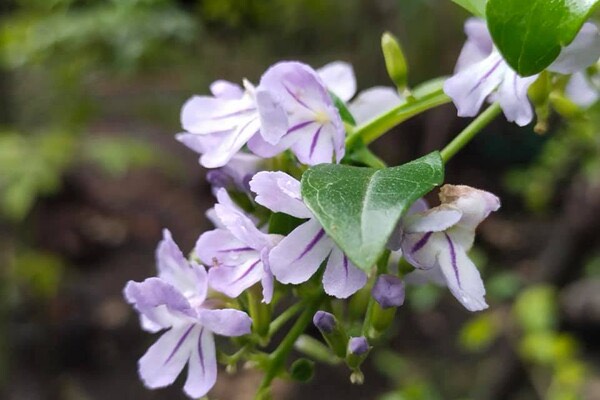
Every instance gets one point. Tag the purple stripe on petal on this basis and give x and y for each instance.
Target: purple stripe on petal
(295, 97)
(200, 354)
(298, 126)
(315, 139)
(179, 343)
(487, 75)
(453, 259)
(312, 243)
(247, 271)
(422, 242)
(346, 266)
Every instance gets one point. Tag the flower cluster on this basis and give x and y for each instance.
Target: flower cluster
(257, 141)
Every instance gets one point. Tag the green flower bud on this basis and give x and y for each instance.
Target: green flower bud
(395, 62)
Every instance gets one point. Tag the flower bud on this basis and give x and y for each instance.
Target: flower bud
(358, 346)
(333, 333)
(395, 62)
(388, 291)
(324, 321)
(358, 349)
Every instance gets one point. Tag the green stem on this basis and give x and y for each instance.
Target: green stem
(278, 357)
(376, 127)
(470, 131)
(284, 317)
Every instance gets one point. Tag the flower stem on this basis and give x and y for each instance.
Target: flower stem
(470, 131)
(373, 129)
(284, 317)
(278, 357)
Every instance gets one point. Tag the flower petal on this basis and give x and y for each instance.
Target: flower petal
(233, 280)
(478, 46)
(581, 90)
(434, 220)
(159, 301)
(230, 143)
(219, 247)
(338, 77)
(372, 102)
(273, 118)
(583, 51)
(204, 114)
(165, 359)
(202, 368)
(470, 87)
(279, 192)
(316, 145)
(462, 276)
(298, 256)
(342, 278)
(513, 99)
(226, 322)
(238, 223)
(226, 90)
(175, 269)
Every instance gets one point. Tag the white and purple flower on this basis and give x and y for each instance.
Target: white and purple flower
(436, 241)
(481, 73)
(297, 112)
(176, 300)
(236, 252)
(300, 254)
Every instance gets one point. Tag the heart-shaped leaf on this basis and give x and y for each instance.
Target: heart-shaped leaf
(530, 34)
(360, 207)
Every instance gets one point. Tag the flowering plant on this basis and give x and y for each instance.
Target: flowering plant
(307, 216)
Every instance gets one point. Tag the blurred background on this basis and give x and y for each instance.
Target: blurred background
(90, 93)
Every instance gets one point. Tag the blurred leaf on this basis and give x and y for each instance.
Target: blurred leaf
(424, 298)
(479, 332)
(39, 271)
(548, 348)
(32, 166)
(503, 286)
(116, 155)
(536, 309)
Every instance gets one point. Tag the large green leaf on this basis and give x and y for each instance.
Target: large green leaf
(360, 207)
(531, 33)
(475, 7)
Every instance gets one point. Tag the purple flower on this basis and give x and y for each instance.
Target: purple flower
(219, 126)
(237, 252)
(297, 112)
(388, 291)
(176, 300)
(299, 255)
(481, 72)
(436, 241)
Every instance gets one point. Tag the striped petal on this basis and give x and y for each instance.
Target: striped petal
(165, 359)
(298, 256)
(342, 278)
(279, 192)
(202, 367)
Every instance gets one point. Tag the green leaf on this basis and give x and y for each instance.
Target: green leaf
(345, 114)
(360, 207)
(531, 34)
(475, 7)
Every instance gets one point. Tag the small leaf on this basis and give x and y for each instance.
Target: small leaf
(531, 34)
(475, 7)
(345, 114)
(360, 207)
